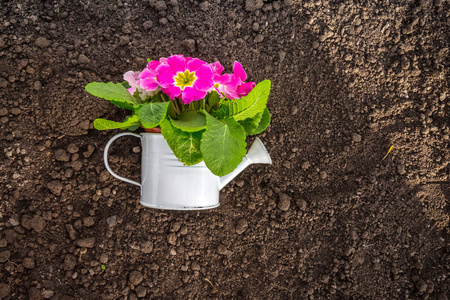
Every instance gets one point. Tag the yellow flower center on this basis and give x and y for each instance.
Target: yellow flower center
(185, 79)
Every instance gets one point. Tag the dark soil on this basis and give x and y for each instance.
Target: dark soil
(334, 217)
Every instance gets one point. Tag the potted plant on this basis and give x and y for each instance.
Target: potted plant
(195, 116)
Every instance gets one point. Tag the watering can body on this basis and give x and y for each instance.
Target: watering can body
(166, 183)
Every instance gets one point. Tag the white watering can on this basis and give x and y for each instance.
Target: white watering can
(166, 183)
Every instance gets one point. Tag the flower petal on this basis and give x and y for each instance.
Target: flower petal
(165, 76)
(173, 91)
(131, 77)
(153, 65)
(190, 94)
(245, 88)
(217, 68)
(147, 80)
(239, 71)
(177, 63)
(204, 80)
(194, 64)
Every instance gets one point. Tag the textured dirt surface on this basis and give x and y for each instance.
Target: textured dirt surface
(332, 218)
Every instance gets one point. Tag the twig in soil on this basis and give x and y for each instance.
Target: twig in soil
(390, 148)
(208, 281)
(293, 28)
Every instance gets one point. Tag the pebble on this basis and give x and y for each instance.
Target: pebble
(189, 44)
(83, 59)
(42, 42)
(146, 247)
(259, 38)
(4, 255)
(222, 250)
(111, 221)
(88, 221)
(148, 25)
(62, 155)
(72, 148)
(14, 220)
(305, 166)
(160, 5)
(69, 262)
(86, 242)
(356, 137)
(241, 226)
(204, 6)
(141, 291)
(401, 169)
(3, 243)
(284, 202)
(323, 174)
(421, 285)
(55, 187)
(38, 223)
(28, 263)
(104, 258)
(71, 231)
(4, 290)
(135, 277)
(252, 5)
(172, 238)
(124, 40)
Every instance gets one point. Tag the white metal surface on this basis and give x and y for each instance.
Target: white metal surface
(168, 184)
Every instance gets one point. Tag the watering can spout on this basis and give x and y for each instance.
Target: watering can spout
(256, 155)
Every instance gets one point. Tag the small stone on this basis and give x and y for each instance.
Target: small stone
(71, 231)
(172, 238)
(148, 25)
(421, 285)
(55, 187)
(111, 221)
(305, 166)
(16, 111)
(62, 155)
(124, 40)
(69, 262)
(141, 291)
(4, 255)
(86, 242)
(88, 221)
(356, 137)
(163, 21)
(222, 250)
(83, 59)
(3, 83)
(135, 277)
(160, 5)
(28, 263)
(3, 111)
(348, 57)
(259, 38)
(401, 169)
(104, 258)
(3, 243)
(146, 247)
(38, 223)
(284, 202)
(241, 226)
(14, 220)
(252, 5)
(176, 226)
(323, 174)
(204, 6)
(189, 44)
(4, 290)
(47, 294)
(42, 42)
(72, 148)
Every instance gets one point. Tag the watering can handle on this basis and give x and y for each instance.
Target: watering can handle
(105, 157)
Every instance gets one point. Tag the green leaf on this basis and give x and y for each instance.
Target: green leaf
(103, 267)
(112, 91)
(190, 121)
(248, 106)
(185, 145)
(152, 114)
(123, 105)
(250, 124)
(102, 124)
(264, 123)
(223, 144)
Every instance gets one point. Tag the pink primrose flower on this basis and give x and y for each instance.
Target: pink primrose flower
(184, 77)
(232, 86)
(135, 82)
